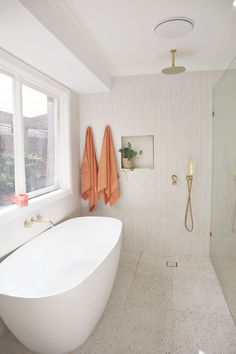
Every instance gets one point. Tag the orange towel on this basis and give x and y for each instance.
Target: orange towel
(108, 178)
(89, 171)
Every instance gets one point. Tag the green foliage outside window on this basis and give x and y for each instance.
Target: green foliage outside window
(35, 175)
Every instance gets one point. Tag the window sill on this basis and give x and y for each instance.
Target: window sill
(12, 212)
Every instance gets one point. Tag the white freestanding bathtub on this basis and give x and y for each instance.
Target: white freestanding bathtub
(54, 289)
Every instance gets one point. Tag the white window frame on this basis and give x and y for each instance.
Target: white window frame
(54, 187)
(24, 74)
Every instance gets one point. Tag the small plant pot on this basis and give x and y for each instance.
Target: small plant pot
(128, 164)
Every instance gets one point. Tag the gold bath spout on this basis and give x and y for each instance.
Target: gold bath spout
(39, 218)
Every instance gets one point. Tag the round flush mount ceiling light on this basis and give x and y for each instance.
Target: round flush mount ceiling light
(174, 27)
(234, 3)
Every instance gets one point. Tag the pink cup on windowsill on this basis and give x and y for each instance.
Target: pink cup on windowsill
(22, 199)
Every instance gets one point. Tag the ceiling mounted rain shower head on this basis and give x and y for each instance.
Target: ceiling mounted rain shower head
(173, 69)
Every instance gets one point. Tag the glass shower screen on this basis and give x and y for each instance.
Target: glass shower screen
(223, 240)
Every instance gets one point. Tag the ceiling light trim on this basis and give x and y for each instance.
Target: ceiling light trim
(177, 19)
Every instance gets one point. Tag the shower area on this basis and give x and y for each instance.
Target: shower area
(223, 235)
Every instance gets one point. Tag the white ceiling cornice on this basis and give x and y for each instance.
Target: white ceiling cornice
(60, 20)
(28, 39)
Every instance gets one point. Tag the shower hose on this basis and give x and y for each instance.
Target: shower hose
(189, 211)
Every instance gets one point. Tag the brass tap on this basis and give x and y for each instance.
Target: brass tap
(38, 218)
(174, 179)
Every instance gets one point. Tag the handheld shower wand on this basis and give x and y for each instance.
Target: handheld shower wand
(189, 211)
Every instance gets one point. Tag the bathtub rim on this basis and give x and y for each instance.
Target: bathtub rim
(80, 282)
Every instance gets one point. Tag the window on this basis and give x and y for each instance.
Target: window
(7, 165)
(34, 127)
(39, 140)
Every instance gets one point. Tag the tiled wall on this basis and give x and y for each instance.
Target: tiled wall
(178, 112)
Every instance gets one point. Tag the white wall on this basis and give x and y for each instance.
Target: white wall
(12, 233)
(177, 111)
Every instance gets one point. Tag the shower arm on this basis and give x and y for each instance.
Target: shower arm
(173, 51)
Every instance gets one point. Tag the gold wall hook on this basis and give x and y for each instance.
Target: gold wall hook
(174, 179)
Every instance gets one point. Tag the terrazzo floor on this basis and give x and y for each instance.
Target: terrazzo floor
(154, 309)
(225, 269)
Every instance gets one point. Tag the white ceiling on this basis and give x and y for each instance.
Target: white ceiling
(82, 43)
(123, 30)
(25, 36)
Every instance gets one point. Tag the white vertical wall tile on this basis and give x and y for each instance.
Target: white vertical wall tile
(177, 111)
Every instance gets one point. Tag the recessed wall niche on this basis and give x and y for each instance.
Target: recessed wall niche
(144, 143)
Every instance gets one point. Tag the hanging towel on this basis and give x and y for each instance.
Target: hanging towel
(89, 171)
(108, 178)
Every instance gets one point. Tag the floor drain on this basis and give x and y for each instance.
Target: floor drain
(171, 264)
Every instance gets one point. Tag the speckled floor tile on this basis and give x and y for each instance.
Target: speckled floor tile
(154, 264)
(193, 294)
(151, 292)
(124, 330)
(121, 288)
(194, 265)
(129, 261)
(225, 269)
(203, 334)
(230, 295)
(154, 310)
(10, 345)
(125, 275)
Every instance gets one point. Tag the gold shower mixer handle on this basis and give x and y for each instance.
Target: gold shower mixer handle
(174, 179)
(189, 177)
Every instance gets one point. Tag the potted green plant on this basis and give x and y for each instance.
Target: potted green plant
(128, 155)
